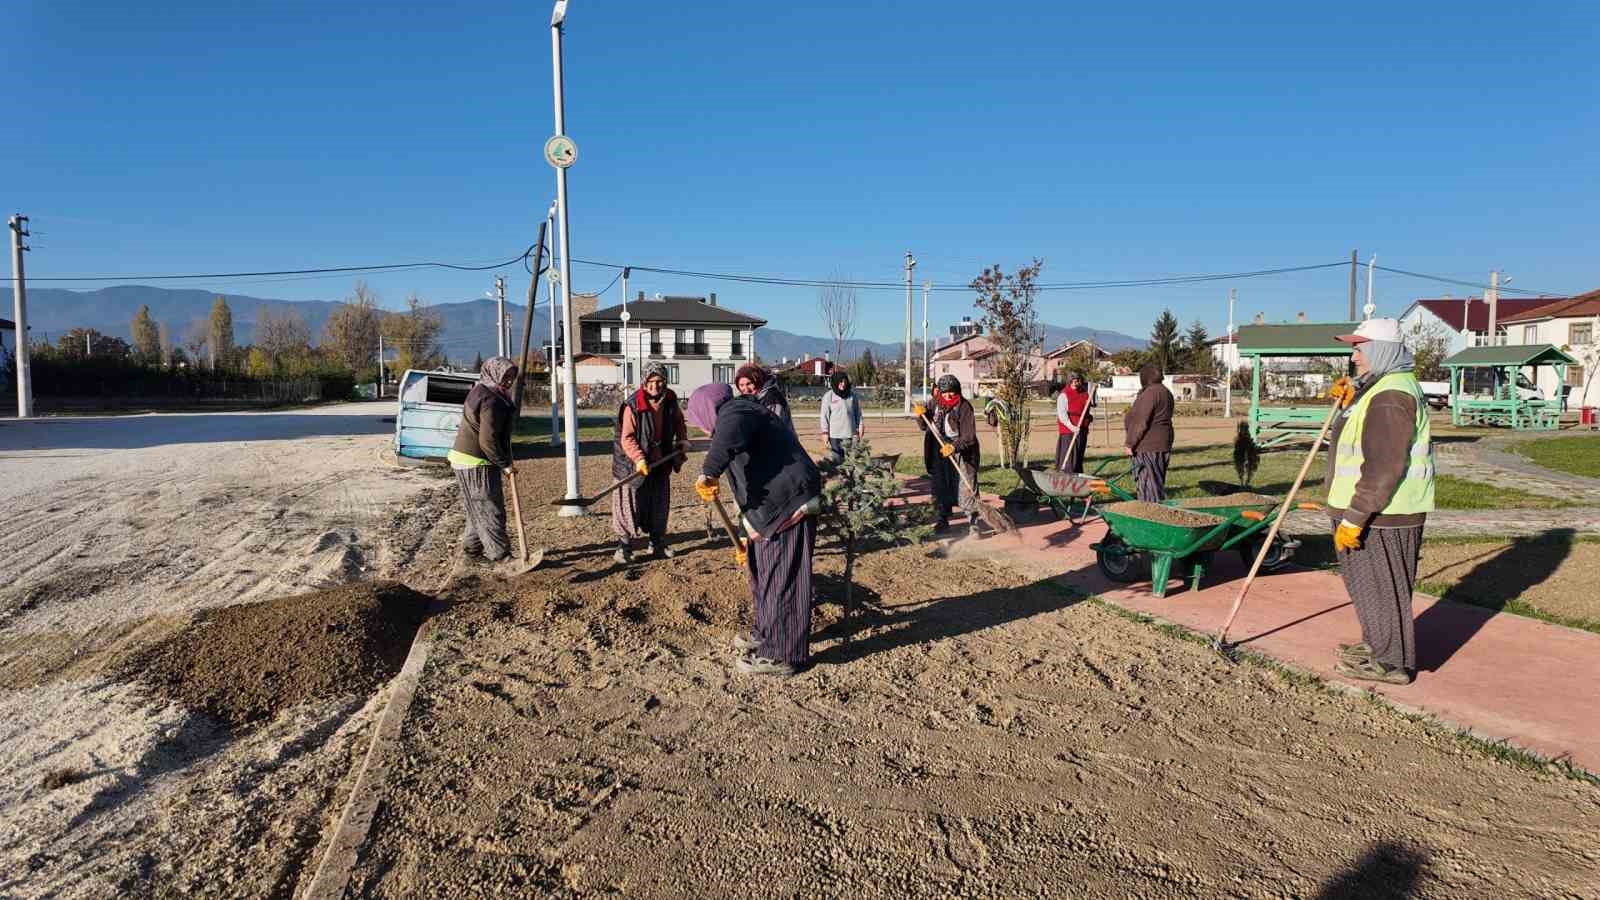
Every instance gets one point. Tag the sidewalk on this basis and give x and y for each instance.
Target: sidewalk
(1503, 677)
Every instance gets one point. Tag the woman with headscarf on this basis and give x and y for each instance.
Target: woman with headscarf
(649, 426)
(778, 491)
(840, 415)
(753, 381)
(1380, 491)
(953, 418)
(1072, 423)
(482, 450)
(1148, 430)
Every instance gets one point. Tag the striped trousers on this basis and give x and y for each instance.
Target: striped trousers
(484, 500)
(780, 581)
(1150, 473)
(1379, 577)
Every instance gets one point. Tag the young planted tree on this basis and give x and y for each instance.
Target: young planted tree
(146, 337)
(219, 332)
(836, 303)
(855, 504)
(1164, 342)
(1246, 455)
(1011, 320)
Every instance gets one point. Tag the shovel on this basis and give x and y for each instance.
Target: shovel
(590, 501)
(527, 563)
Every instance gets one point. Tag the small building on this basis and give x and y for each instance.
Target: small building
(1073, 351)
(971, 360)
(1308, 354)
(810, 368)
(1573, 325)
(1490, 386)
(1225, 350)
(696, 339)
(1465, 321)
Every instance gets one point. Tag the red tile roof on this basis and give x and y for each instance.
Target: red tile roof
(1449, 310)
(1583, 305)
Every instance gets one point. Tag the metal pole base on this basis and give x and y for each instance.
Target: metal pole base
(567, 512)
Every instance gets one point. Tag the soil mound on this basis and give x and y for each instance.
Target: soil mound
(1242, 499)
(245, 663)
(1167, 515)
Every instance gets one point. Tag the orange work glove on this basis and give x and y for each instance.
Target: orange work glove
(1347, 537)
(1343, 391)
(919, 410)
(947, 450)
(642, 467)
(740, 556)
(707, 488)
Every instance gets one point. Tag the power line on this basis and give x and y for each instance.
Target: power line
(387, 267)
(1477, 284)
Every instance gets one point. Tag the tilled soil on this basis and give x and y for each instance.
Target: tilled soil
(242, 664)
(1166, 515)
(580, 731)
(1243, 499)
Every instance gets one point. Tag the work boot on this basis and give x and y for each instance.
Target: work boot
(751, 664)
(624, 555)
(1355, 653)
(661, 550)
(1372, 670)
(744, 642)
(941, 526)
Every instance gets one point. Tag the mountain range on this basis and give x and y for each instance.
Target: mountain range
(468, 324)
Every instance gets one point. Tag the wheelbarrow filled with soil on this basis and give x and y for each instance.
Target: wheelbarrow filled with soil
(1070, 495)
(1156, 537)
(1245, 510)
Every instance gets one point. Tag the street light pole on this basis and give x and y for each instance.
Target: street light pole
(550, 229)
(1228, 357)
(569, 393)
(926, 286)
(910, 264)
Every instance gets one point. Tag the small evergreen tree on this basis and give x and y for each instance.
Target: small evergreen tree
(1164, 342)
(855, 504)
(1246, 455)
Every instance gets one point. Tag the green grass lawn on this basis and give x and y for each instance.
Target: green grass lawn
(1574, 455)
(536, 429)
(1192, 465)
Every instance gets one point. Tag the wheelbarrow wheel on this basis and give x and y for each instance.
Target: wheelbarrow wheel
(1118, 561)
(1277, 554)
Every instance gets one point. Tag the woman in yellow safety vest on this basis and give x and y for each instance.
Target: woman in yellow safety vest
(1380, 491)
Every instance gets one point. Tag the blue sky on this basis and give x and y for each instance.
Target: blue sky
(1111, 140)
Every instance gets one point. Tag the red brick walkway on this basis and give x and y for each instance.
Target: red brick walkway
(1503, 677)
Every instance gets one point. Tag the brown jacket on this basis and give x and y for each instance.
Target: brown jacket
(1386, 455)
(1148, 423)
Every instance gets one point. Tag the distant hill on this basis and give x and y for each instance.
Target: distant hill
(468, 325)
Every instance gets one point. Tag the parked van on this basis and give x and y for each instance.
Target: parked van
(430, 412)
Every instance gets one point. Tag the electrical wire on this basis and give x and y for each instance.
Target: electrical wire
(1477, 284)
(387, 267)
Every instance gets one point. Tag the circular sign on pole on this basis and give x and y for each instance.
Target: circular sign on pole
(560, 151)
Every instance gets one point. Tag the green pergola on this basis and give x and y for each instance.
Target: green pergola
(1291, 340)
(1502, 402)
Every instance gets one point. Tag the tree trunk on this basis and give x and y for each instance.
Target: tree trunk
(849, 586)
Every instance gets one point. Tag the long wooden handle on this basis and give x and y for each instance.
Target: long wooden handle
(1277, 523)
(722, 512)
(952, 457)
(522, 527)
(635, 474)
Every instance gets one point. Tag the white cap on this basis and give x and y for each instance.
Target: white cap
(1374, 330)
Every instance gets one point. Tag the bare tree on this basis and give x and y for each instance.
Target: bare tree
(351, 332)
(836, 302)
(414, 334)
(281, 334)
(164, 336)
(196, 340)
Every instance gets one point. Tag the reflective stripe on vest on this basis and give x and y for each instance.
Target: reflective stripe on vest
(1414, 494)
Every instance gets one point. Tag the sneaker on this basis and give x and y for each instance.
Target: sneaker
(1372, 670)
(751, 664)
(623, 556)
(941, 526)
(744, 642)
(1358, 652)
(661, 551)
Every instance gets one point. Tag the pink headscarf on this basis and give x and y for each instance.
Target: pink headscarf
(701, 410)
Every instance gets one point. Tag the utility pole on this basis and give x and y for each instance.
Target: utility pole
(19, 302)
(626, 271)
(502, 337)
(88, 345)
(569, 394)
(911, 263)
(926, 287)
(1372, 266)
(1353, 266)
(1229, 356)
(1494, 306)
(380, 365)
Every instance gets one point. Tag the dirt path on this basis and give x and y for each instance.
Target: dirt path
(123, 529)
(580, 732)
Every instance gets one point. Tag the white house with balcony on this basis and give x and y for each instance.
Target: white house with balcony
(1464, 322)
(1572, 325)
(698, 340)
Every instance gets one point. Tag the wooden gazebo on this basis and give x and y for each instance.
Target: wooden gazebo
(1296, 340)
(1485, 389)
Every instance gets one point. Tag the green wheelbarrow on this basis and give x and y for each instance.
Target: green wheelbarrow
(1158, 537)
(1246, 512)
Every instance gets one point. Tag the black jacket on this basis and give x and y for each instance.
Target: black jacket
(485, 430)
(772, 475)
(771, 396)
(965, 424)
